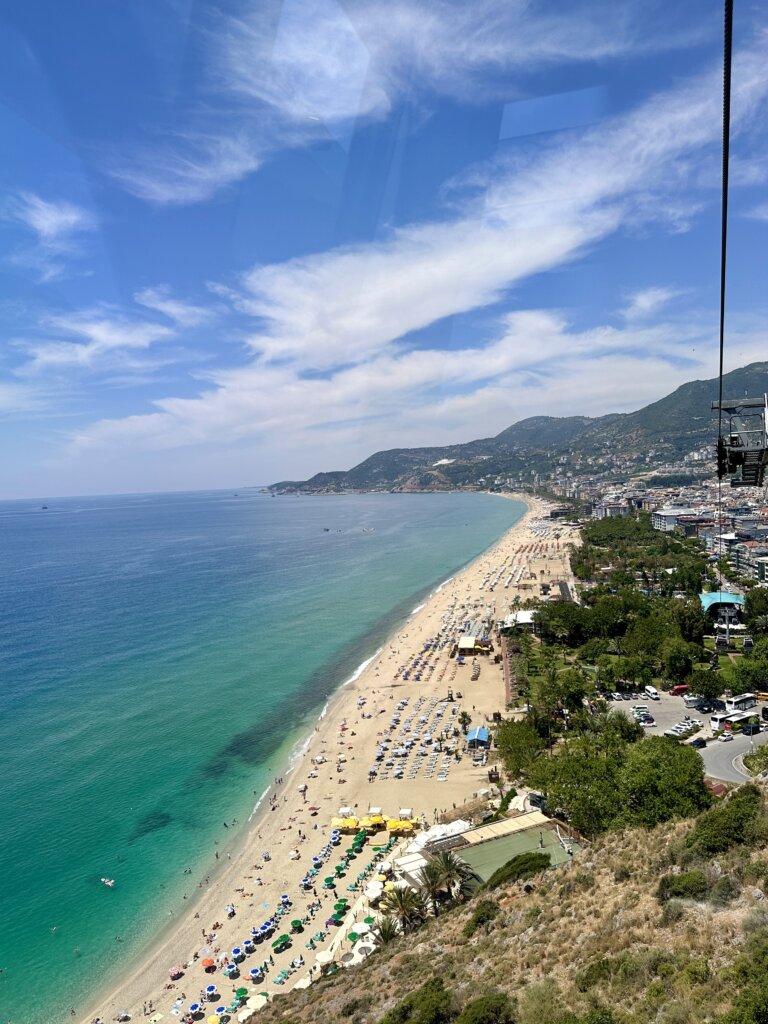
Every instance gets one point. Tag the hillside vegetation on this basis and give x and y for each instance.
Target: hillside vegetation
(678, 423)
(667, 925)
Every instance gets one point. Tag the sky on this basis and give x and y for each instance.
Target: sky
(248, 241)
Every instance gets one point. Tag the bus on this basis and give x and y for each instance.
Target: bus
(730, 721)
(737, 722)
(718, 720)
(741, 702)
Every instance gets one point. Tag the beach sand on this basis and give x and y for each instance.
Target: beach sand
(254, 886)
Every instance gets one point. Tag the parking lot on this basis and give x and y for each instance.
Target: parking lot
(721, 760)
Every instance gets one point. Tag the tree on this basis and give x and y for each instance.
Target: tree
(490, 1009)
(385, 931)
(677, 659)
(406, 906)
(431, 885)
(465, 720)
(519, 745)
(660, 780)
(755, 605)
(458, 879)
(581, 783)
(709, 685)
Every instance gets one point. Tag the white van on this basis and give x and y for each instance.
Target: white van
(651, 692)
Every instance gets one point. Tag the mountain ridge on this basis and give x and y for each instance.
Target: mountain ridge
(679, 422)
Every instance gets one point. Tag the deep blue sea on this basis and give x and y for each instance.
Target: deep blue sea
(160, 657)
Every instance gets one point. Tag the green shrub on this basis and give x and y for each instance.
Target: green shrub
(737, 821)
(485, 911)
(690, 885)
(430, 1004)
(599, 1015)
(491, 1009)
(723, 891)
(672, 912)
(622, 873)
(355, 1006)
(593, 974)
(524, 865)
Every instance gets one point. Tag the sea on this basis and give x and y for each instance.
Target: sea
(162, 657)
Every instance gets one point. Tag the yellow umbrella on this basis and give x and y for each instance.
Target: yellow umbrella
(366, 822)
(406, 826)
(337, 822)
(389, 886)
(349, 823)
(213, 1019)
(392, 825)
(377, 819)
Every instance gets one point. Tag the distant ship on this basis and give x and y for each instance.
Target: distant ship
(109, 882)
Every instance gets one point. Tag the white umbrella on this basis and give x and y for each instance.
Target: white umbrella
(361, 929)
(325, 956)
(303, 983)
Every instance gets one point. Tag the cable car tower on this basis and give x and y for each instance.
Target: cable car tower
(742, 448)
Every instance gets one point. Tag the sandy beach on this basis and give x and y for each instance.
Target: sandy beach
(335, 767)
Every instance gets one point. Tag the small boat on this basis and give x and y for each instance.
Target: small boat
(108, 882)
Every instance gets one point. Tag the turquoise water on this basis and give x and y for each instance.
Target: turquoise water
(152, 650)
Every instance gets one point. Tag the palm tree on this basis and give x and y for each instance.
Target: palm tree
(458, 879)
(406, 906)
(386, 931)
(431, 884)
(465, 720)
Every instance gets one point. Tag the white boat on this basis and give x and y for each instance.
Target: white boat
(108, 882)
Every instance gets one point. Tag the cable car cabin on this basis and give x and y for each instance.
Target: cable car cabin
(742, 449)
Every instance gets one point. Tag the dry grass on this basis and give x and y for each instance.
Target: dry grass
(539, 946)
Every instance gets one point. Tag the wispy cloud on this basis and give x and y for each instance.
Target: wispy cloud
(185, 314)
(285, 75)
(759, 212)
(58, 227)
(648, 301)
(91, 340)
(333, 349)
(196, 165)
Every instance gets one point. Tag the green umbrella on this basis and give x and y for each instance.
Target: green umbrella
(353, 936)
(370, 920)
(241, 993)
(296, 924)
(339, 906)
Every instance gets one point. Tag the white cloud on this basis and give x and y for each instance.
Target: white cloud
(759, 212)
(348, 313)
(648, 301)
(286, 74)
(103, 337)
(182, 313)
(195, 166)
(57, 227)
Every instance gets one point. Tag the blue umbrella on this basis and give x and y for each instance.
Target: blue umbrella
(194, 1008)
(285, 898)
(220, 1010)
(237, 952)
(254, 931)
(210, 991)
(230, 968)
(255, 972)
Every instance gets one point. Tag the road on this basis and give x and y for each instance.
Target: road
(718, 757)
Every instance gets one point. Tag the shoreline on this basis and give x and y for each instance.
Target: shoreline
(145, 976)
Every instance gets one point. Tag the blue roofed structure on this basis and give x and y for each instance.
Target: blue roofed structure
(477, 738)
(712, 603)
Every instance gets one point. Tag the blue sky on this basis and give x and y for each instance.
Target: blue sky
(247, 241)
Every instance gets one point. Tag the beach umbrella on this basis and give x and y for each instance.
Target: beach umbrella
(255, 973)
(325, 956)
(347, 959)
(353, 936)
(208, 963)
(369, 920)
(210, 990)
(285, 898)
(213, 1019)
(230, 968)
(362, 928)
(241, 993)
(237, 952)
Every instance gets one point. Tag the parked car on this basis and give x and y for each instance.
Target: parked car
(616, 695)
(698, 743)
(725, 737)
